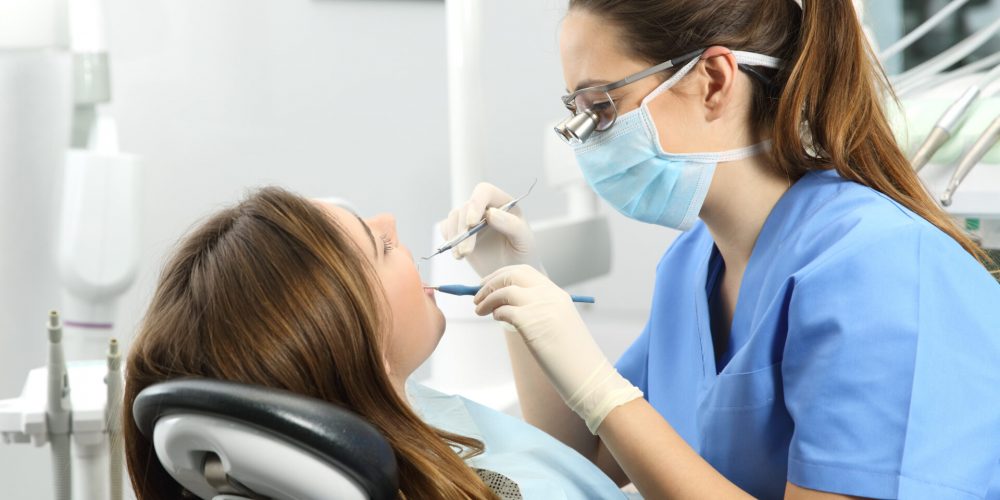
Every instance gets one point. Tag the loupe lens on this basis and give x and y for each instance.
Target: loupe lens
(576, 129)
(564, 134)
(600, 105)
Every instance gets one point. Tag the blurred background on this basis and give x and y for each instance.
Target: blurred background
(345, 98)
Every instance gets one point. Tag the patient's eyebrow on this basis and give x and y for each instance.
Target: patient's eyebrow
(370, 235)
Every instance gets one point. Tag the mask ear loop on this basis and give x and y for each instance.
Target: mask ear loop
(742, 57)
(670, 82)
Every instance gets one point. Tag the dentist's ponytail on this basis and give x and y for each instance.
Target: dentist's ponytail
(824, 110)
(831, 114)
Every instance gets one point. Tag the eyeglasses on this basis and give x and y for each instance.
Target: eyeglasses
(593, 110)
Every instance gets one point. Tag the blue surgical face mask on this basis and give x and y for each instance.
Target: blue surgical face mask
(626, 166)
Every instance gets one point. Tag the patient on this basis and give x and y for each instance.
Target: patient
(289, 293)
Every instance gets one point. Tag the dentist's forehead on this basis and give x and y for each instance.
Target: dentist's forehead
(592, 52)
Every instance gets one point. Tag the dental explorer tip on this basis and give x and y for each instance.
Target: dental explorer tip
(946, 200)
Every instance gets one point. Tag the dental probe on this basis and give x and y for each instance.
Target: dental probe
(480, 226)
(472, 290)
(971, 159)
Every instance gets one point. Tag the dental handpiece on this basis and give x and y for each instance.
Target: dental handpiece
(479, 226)
(943, 129)
(971, 159)
(472, 290)
(951, 120)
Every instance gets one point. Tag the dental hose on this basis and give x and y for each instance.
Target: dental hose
(58, 412)
(113, 420)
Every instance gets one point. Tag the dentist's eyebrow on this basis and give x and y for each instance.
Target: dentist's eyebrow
(589, 83)
(370, 235)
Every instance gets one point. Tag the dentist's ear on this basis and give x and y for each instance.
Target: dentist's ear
(719, 70)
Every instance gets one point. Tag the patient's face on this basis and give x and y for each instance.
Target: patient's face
(417, 323)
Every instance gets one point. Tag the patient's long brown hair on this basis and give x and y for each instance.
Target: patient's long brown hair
(274, 292)
(832, 88)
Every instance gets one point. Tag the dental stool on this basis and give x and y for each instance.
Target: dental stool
(226, 441)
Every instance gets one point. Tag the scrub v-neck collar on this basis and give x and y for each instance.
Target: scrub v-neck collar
(758, 265)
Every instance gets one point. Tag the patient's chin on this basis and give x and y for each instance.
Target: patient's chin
(440, 322)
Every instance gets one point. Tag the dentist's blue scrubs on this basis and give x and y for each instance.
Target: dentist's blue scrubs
(863, 359)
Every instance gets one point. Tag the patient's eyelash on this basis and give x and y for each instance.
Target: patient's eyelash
(387, 245)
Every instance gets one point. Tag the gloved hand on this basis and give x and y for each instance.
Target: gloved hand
(555, 334)
(508, 240)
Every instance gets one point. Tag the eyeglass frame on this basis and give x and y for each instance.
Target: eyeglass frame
(569, 131)
(568, 99)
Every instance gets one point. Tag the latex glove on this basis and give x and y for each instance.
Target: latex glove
(555, 334)
(508, 240)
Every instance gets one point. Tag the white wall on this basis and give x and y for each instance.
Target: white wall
(326, 97)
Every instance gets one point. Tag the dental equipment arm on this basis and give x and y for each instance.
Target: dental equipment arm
(950, 121)
(58, 412)
(971, 159)
(921, 30)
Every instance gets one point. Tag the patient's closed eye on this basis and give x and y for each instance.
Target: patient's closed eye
(387, 244)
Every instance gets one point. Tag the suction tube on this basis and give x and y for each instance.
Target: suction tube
(113, 418)
(58, 412)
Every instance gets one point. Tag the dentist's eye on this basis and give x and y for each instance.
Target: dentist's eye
(387, 244)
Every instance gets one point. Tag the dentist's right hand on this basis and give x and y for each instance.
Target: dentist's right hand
(507, 241)
(553, 331)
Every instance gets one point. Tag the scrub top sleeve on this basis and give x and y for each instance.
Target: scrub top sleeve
(887, 371)
(634, 363)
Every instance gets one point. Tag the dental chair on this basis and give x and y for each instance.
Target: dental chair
(226, 441)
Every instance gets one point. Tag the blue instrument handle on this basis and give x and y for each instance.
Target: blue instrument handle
(472, 290)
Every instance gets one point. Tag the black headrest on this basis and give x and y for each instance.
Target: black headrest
(334, 434)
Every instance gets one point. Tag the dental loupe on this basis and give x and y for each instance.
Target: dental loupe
(577, 128)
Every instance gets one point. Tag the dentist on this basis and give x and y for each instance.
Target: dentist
(823, 331)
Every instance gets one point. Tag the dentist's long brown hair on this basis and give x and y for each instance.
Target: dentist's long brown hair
(273, 292)
(832, 90)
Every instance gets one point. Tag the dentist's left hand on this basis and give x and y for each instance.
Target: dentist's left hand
(554, 332)
(507, 241)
